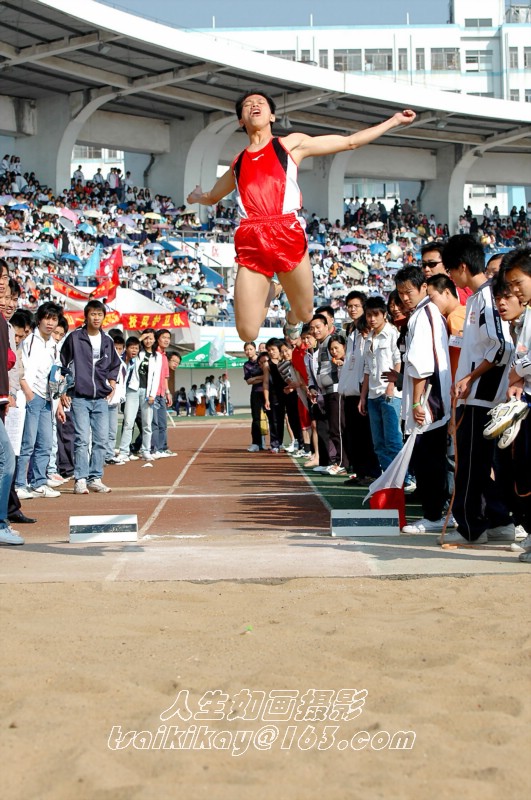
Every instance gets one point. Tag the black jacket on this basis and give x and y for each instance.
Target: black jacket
(91, 380)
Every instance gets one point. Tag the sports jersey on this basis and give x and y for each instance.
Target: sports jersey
(522, 356)
(485, 337)
(427, 357)
(266, 181)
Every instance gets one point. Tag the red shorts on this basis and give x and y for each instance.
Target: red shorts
(270, 244)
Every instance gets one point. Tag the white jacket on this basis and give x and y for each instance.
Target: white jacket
(154, 370)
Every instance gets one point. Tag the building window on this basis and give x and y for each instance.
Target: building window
(481, 94)
(305, 55)
(347, 60)
(480, 190)
(402, 59)
(83, 151)
(513, 58)
(527, 57)
(289, 55)
(379, 60)
(514, 94)
(420, 59)
(478, 60)
(113, 155)
(323, 59)
(481, 22)
(445, 58)
(528, 95)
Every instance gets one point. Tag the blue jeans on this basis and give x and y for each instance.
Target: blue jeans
(36, 442)
(113, 429)
(384, 417)
(90, 417)
(159, 435)
(7, 470)
(135, 399)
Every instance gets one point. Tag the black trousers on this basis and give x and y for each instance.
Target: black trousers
(335, 413)
(257, 404)
(478, 502)
(292, 410)
(65, 446)
(431, 471)
(358, 440)
(275, 417)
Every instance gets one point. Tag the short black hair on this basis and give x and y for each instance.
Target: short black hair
(160, 332)
(253, 344)
(240, 101)
(319, 318)
(325, 310)
(432, 247)
(118, 339)
(376, 304)
(14, 287)
(500, 288)
(336, 337)
(274, 342)
(173, 354)
(62, 322)
(441, 282)
(517, 259)
(356, 295)
(132, 340)
(464, 249)
(22, 318)
(414, 275)
(48, 310)
(94, 305)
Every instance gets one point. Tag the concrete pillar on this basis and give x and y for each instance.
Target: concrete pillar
(167, 175)
(444, 196)
(43, 152)
(321, 181)
(136, 164)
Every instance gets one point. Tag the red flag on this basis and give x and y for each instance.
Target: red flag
(66, 289)
(106, 288)
(112, 264)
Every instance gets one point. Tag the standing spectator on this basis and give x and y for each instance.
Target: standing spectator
(480, 384)
(91, 353)
(253, 376)
(142, 386)
(163, 400)
(38, 357)
(7, 456)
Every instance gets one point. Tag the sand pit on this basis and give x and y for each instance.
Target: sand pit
(445, 658)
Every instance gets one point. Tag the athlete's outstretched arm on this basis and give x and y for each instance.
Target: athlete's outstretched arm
(223, 186)
(302, 146)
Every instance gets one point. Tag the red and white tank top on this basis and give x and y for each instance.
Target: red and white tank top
(266, 181)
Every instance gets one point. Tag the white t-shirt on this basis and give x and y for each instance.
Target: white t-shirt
(95, 340)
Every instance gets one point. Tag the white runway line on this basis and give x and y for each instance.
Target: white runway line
(314, 491)
(149, 522)
(242, 494)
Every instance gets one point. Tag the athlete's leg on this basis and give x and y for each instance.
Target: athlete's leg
(298, 285)
(251, 301)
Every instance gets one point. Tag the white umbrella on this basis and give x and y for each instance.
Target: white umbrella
(49, 210)
(92, 212)
(372, 226)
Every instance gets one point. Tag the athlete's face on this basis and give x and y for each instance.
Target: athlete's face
(256, 112)
(509, 307)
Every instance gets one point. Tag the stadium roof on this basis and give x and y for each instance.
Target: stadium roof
(153, 70)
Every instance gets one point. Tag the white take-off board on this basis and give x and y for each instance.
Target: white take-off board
(360, 523)
(104, 528)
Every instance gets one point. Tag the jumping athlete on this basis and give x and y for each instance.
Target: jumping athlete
(270, 238)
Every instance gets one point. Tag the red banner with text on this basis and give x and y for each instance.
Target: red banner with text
(133, 322)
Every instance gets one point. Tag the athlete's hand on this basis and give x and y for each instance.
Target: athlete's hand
(405, 117)
(195, 196)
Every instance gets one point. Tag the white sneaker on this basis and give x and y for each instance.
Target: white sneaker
(52, 483)
(502, 533)
(133, 457)
(80, 486)
(320, 469)
(293, 447)
(424, 526)
(156, 455)
(253, 448)
(336, 469)
(523, 546)
(122, 458)
(503, 415)
(96, 485)
(9, 536)
(25, 493)
(146, 457)
(45, 491)
(453, 537)
(510, 433)
(520, 533)
(410, 487)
